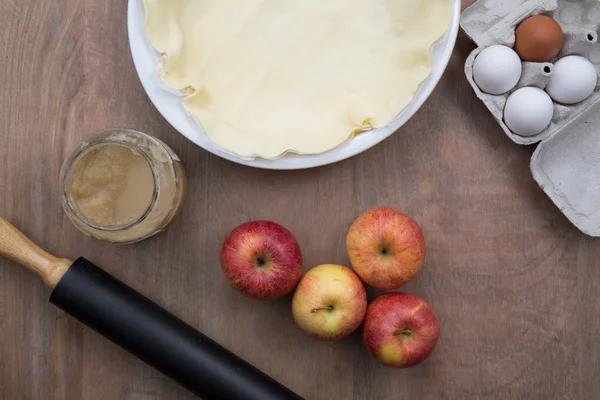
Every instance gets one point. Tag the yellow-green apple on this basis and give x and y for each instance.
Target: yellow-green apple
(386, 248)
(330, 302)
(400, 330)
(262, 259)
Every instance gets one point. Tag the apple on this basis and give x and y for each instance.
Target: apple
(262, 259)
(400, 330)
(386, 248)
(330, 302)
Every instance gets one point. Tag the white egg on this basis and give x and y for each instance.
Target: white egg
(574, 80)
(497, 69)
(528, 111)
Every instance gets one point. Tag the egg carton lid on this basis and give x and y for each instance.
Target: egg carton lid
(567, 168)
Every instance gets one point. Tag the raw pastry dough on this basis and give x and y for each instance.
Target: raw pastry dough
(269, 76)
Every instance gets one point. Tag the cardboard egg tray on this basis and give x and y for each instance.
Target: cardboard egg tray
(566, 163)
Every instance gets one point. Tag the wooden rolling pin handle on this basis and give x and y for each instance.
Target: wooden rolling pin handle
(16, 247)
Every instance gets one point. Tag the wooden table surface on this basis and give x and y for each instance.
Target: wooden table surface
(514, 284)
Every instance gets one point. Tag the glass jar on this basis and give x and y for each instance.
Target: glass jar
(122, 186)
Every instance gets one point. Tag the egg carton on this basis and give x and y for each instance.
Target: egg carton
(566, 163)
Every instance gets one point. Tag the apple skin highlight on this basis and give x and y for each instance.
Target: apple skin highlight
(330, 302)
(262, 259)
(386, 248)
(400, 330)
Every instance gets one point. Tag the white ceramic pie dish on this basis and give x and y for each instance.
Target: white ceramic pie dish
(170, 105)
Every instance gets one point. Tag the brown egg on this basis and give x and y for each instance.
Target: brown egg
(538, 39)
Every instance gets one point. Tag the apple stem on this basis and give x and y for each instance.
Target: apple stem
(315, 310)
(260, 261)
(406, 332)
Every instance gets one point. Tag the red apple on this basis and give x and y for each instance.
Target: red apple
(386, 248)
(400, 330)
(330, 302)
(262, 259)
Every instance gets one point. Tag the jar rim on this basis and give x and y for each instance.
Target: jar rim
(91, 142)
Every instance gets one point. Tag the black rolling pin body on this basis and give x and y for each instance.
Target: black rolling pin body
(159, 338)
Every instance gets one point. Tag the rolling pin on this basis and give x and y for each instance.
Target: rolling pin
(141, 327)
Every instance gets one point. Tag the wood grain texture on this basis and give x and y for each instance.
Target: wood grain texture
(514, 284)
